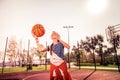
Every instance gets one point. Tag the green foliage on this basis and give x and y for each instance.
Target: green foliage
(112, 59)
(24, 69)
(86, 64)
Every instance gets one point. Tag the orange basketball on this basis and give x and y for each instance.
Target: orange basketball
(38, 30)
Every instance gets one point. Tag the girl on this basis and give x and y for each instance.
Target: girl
(58, 66)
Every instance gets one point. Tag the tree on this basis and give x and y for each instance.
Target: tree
(1, 56)
(35, 51)
(12, 51)
(77, 54)
(89, 45)
(100, 44)
(23, 57)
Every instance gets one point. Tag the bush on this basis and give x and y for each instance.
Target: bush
(35, 65)
(112, 59)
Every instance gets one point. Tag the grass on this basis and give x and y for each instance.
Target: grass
(23, 69)
(83, 66)
(90, 66)
(99, 68)
(97, 64)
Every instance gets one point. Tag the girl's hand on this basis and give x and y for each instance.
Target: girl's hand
(36, 38)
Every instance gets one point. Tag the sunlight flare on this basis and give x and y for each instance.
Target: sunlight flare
(96, 6)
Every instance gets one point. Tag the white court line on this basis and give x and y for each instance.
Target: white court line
(30, 76)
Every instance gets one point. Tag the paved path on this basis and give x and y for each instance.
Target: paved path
(80, 75)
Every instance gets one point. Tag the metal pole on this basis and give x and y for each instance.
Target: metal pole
(68, 49)
(28, 65)
(113, 36)
(94, 60)
(4, 55)
(78, 53)
(68, 43)
(114, 41)
(46, 59)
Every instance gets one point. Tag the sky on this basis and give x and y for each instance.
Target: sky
(17, 17)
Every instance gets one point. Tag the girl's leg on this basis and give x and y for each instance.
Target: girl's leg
(67, 76)
(51, 72)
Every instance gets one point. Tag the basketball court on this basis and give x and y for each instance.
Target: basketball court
(80, 75)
